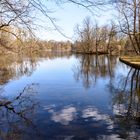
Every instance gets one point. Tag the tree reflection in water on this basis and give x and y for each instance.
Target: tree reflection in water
(90, 67)
(125, 91)
(126, 103)
(12, 67)
(15, 66)
(22, 118)
(17, 114)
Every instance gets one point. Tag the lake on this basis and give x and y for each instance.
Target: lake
(62, 96)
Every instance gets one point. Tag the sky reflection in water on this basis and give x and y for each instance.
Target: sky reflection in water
(69, 97)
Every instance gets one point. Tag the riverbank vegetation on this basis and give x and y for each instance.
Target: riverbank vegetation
(18, 21)
(93, 39)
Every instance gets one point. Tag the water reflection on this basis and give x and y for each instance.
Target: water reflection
(126, 98)
(82, 123)
(12, 67)
(126, 104)
(61, 110)
(15, 66)
(17, 115)
(64, 116)
(91, 67)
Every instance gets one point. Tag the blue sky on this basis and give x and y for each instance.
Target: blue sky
(67, 16)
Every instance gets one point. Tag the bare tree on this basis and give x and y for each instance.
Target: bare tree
(86, 36)
(129, 20)
(92, 38)
(98, 35)
(21, 14)
(112, 38)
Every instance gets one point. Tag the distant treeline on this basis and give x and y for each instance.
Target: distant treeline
(18, 23)
(89, 39)
(94, 39)
(24, 42)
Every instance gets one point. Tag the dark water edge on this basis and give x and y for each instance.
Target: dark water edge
(56, 96)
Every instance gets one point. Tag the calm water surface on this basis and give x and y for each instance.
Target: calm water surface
(68, 97)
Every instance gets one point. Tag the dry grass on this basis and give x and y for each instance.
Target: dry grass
(133, 61)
